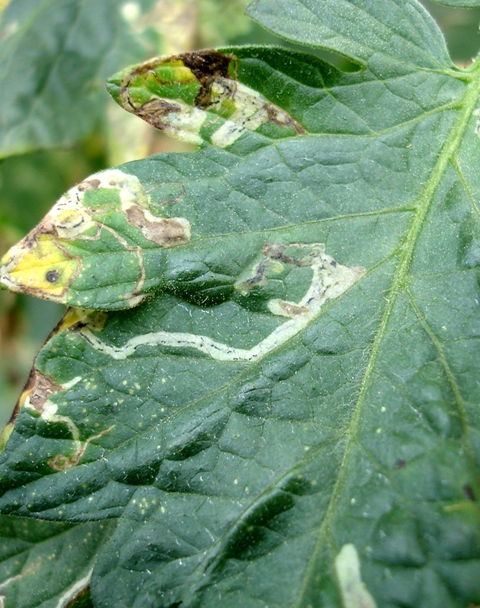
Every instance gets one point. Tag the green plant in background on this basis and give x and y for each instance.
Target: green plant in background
(280, 406)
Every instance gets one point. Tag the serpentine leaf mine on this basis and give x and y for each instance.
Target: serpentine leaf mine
(329, 280)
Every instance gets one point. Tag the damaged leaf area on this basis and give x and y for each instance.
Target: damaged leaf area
(291, 417)
(45, 398)
(71, 255)
(198, 97)
(36, 397)
(329, 280)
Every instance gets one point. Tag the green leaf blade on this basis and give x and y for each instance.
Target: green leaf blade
(249, 464)
(402, 32)
(47, 563)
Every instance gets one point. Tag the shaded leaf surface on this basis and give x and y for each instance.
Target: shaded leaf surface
(246, 483)
(459, 3)
(51, 78)
(47, 563)
(398, 32)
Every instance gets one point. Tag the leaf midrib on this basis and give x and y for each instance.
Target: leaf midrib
(424, 201)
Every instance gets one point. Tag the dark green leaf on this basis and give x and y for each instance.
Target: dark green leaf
(46, 563)
(335, 464)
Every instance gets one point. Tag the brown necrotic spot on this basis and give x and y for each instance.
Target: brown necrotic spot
(281, 118)
(224, 89)
(89, 184)
(155, 110)
(207, 66)
(52, 276)
(207, 63)
(290, 309)
(166, 232)
(39, 387)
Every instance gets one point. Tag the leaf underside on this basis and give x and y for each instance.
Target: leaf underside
(247, 482)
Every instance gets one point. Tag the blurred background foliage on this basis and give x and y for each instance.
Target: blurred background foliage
(58, 124)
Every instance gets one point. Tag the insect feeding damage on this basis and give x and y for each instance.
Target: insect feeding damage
(163, 232)
(177, 94)
(352, 589)
(46, 263)
(39, 265)
(331, 277)
(36, 397)
(329, 280)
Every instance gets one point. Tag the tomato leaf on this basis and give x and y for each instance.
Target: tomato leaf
(292, 417)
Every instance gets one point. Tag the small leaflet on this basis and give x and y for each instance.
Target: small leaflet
(196, 97)
(329, 280)
(352, 589)
(99, 216)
